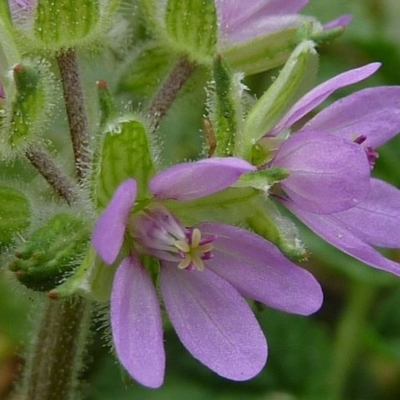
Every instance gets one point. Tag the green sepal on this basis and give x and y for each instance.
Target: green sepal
(124, 153)
(263, 179)
(9, 54)
(92, 279)
(327, 36)
(27, 114)
(52, 252)
(63, 23)
(222, 108)
(143, 72)
(191, 26)
(293, 81)
(264, 218)
(15, 214)
(264, 52)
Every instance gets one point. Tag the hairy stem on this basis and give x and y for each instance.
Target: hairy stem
(169, 90)
(76, 110)
(55, 361)
(56, 357)
(348, 341)
(61, 183)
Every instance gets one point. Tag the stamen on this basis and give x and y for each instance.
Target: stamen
(194, 250)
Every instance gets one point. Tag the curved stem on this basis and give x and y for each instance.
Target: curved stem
(61, 183)
(169, 90)
(76, 110)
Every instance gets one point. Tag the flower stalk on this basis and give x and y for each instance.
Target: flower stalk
(55, 361)
(76, 110)
(169, 91)
(61, 183)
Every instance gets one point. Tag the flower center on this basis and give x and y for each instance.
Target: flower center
(157, 232)
(194, 250)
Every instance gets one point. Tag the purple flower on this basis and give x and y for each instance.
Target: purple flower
(330, 158)
(241, 21)
(204, 272)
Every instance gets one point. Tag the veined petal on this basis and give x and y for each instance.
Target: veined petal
(234, 15)
(326, 173)
(136, 324)
(108, 233)
(316, 96)
(375, 220)
(213, 322)
(338, 235)
(263, 26)
(372, 112)
(258, 270)
(190, 181)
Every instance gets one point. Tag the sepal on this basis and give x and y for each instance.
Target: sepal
(192, 28)
(266, 51)
(224, 106)
(262, 180)
(52, 252)
(124, 153)
(27, 112)
(293, 81)
(15, 214)
(63, 24)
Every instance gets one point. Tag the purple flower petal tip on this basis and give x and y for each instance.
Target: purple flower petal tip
(109, 231)
(190, 181)
(137, 325)
(340, 22)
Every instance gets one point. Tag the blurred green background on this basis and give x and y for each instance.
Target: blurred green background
(350, 349)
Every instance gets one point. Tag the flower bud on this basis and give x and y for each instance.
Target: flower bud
(192, 27)
(62, 24)
(15, 214)
(123, 153)
(52, 252)
(293, 81)
(28, 112)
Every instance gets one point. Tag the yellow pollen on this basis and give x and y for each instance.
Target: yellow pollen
(193, 252)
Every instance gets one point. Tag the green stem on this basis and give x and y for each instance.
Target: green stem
(55, 361)
(348, 337)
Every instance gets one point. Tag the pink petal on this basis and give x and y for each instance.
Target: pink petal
(190, 181)
(258, 270)
(108, 233)
(327, 173)
(234, 16)
(340, 22)
(340, 236)
(136, 324)
(214, 322)
(376, 220)
(316, 96)
(373, 112)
